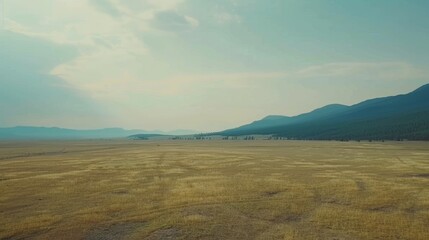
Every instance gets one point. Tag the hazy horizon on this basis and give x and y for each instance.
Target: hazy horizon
(194, 131)
(205, 66)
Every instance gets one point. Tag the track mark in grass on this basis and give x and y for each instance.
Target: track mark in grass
(120, 192)
(287, 219)
(418, 175)
(271, 193)
(360, 185)
(382, 209)
(197, 211)
(422, 175)
(165, 234)
(412, 210)
(114, 231)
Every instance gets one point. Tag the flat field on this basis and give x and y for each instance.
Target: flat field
(214, 190)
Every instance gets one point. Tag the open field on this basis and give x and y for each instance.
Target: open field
(214, 190)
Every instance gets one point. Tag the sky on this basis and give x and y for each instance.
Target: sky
(200, 64)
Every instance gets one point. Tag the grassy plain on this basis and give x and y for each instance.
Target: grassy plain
(214, 190)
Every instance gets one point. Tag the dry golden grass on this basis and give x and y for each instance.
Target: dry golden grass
(214, 190)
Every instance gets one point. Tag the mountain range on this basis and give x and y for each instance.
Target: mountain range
(401, 117)
(388, 118)
(44, 133)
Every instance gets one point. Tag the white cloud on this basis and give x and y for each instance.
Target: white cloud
(223, 17)
(107, 34)
(375, 70)
(172, 21)
(57, 21)
(164, 4)
(59, 24)
(226, 13)
(123, 83)
(192, 21)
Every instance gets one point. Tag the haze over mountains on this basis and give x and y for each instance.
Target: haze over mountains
(44, 133)
(388, 118)
(397, 117)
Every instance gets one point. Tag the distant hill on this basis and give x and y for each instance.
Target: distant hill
(275, 120)
(397, 117)
(44, 133)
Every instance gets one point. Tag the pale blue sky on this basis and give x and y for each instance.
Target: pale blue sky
(205, 65)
